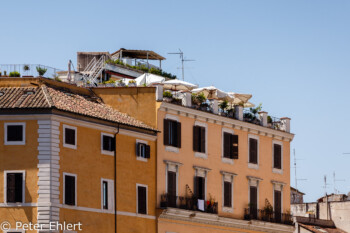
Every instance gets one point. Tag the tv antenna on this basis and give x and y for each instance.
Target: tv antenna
(295, 171)
(183, 59)
(334, 183)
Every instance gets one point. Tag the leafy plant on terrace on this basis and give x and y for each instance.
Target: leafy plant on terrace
(143, 68)
(41, 71)
(15, 74)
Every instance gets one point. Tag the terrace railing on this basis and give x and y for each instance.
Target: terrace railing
(187, 203)
(268, 216)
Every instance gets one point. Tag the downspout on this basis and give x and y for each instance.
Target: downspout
(115, 181)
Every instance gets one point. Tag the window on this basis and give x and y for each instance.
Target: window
(15, 187)
(107, 194)
(143, 150)
(230, 145)
(277, 204)
(199, 139)
(253, 201)
(171, 189)
(253, 150)
(199, 187)
(107, 144)
(70, 188)
(172, 133)
(70, 137)
(227, 194)
(141, 199)
(277, 156)
(14, 133)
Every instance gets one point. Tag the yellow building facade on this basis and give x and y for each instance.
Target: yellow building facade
(63, 149)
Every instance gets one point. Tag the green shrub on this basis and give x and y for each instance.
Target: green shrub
(223, 105)
(15, 74)
(167, 94)
(41, 71)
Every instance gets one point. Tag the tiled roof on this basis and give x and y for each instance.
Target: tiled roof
(44, 96)
(317, 229)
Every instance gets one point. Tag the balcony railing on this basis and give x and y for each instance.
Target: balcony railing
(268, 216)
(187, 203)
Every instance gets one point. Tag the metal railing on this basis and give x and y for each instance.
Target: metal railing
(187, 203)
(268, 216)
(27, 70)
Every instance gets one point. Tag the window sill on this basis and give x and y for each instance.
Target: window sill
(253, 166)
(200, 155)
(17, 204)
(227, 160)
(14, 143)
(141, 159)
(106, 152)
(227, 209)
(172, 149)
(70, 146)
(278, 171)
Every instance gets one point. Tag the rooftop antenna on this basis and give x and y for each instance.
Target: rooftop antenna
(334, 183)
(182, 62)
(295, 171)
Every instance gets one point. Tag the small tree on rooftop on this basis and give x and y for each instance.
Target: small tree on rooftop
(41, 71)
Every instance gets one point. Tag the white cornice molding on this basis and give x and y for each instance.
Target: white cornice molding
(227, 122)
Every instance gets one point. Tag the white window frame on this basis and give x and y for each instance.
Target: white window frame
(137, 198)
(106, 152)
(252, 165)
(173, 167)
(172, 148)
(227, 177)
(225, 160)
(200, 154)
(278, 186)
(23, 185)
(110, 184)
(202, 172)
(64, 136)
(139, 158)
(276, 170)
(23, 142)
(64, 188)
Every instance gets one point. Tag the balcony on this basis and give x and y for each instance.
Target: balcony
(187, 203)
(268, 216)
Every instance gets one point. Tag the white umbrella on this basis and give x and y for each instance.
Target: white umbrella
(148, 79)
(178, 85)
(213, 93)
(240, 98)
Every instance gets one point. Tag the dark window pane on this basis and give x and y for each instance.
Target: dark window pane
(227, 147)
(171, 189)
(69, 190)
(253, 151)
(277, 156)
(69, 136)
(227, 194)
(200, 187)
(108, 143)
(15, 133)
(253, 205)
(105, 195)
(14, 187)
(142, 200)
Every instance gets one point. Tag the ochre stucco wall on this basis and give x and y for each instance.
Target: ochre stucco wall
(214, 162)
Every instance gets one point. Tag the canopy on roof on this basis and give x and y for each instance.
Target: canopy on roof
(149, 79)
(212, 92)
(178, 85)
(138, 54)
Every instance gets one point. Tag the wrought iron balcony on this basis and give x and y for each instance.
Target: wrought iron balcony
(268, 216)
(187, 203)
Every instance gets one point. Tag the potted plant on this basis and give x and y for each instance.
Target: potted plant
(267, 211)
(132, 83)
(41, 71)
(198, 99)
(167, 96)
(121, 83)
(15, 74)
(163, 201)
(110, 83)
(223, 106)
(26, 68)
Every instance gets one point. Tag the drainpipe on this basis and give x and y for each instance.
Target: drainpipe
(115, 181)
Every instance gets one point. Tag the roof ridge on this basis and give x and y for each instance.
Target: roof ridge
(47, 96)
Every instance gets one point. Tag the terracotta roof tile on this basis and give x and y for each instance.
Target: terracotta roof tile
(51, 97)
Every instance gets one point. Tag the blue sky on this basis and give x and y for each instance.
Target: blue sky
(293, 56)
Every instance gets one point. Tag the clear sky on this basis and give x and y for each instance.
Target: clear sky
(293, 56)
